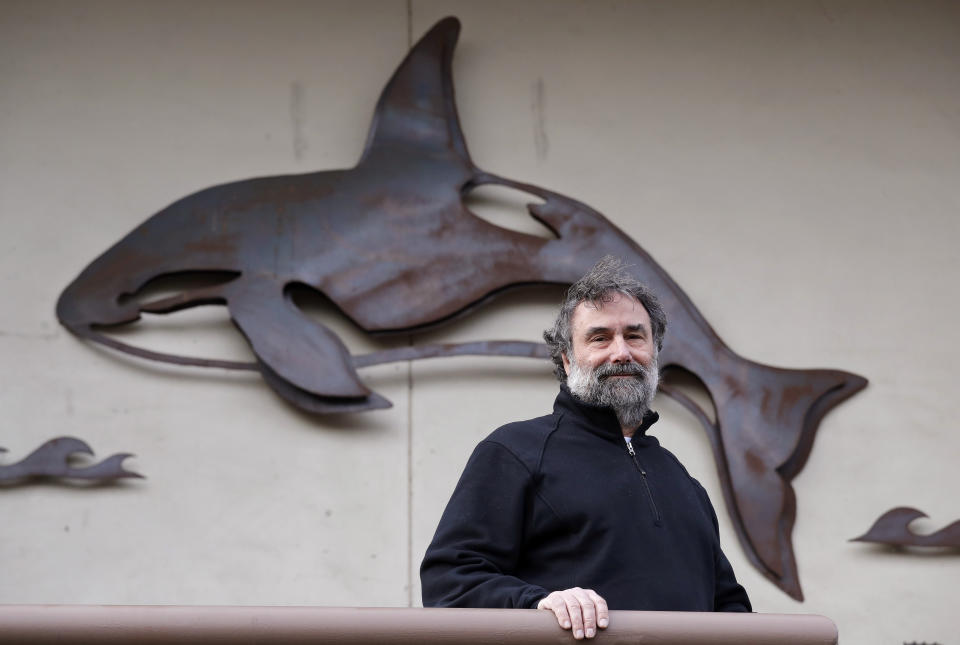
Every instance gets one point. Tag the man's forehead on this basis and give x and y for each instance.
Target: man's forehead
(612, 304)
(615, 298)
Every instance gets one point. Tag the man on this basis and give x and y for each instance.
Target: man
(580, 511)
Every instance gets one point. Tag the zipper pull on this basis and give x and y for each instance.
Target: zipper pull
(633, 454)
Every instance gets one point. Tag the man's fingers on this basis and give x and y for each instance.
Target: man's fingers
(588, 610)
(576, 616)
(560, 610)
(554, 602)
(580, 610)
(603, 614)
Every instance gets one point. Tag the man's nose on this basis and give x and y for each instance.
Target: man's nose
(620, 352)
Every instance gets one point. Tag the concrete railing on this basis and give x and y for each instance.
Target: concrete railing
(161, 625)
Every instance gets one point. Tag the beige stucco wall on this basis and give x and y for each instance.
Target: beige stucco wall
(792, 165)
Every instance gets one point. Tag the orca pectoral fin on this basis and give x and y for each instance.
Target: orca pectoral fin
(297, 350)
(309, 402)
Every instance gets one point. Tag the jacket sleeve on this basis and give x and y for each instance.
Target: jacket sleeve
(473, 557)
(728, 594)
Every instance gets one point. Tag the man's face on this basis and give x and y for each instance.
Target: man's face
(614, 360)
(618, 332)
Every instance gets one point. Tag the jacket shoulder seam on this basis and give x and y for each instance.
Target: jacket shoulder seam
(543, 449)
(546, 439)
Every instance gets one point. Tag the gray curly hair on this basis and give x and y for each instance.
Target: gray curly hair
(609, 276)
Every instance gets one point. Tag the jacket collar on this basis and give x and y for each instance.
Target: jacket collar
(598, 419)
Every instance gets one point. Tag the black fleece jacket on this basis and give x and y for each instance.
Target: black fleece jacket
(559, 502)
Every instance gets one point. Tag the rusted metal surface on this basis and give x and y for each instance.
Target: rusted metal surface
(893, 527)
(155, 625)
(391, 243)
(57, 459)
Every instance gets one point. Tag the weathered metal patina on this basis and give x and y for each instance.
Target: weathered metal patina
(893, 527)
(56, 459)
(391, 243)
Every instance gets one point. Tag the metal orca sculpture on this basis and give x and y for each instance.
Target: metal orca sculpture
(391, 243)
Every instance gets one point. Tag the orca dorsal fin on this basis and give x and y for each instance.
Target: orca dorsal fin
(417, 107)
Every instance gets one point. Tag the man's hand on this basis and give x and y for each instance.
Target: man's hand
(582, 610)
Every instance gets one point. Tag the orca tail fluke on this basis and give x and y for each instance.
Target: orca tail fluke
(762, 433)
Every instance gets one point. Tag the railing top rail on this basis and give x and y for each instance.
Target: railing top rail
(162, 625)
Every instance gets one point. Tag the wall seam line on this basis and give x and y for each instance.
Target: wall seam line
(410, 405)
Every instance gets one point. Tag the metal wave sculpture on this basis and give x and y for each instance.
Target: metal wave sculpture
(893, 527)
(55, 459)
(391, 243)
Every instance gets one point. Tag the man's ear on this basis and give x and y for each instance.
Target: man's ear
(566, 363)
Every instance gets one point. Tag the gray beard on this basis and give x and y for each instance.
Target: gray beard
(630, 398)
